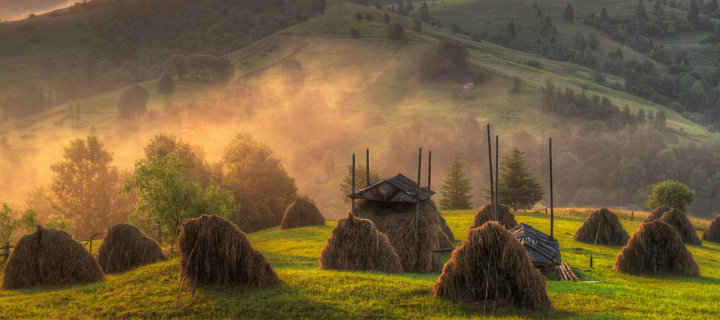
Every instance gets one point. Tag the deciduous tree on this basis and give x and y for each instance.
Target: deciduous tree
(672, 194)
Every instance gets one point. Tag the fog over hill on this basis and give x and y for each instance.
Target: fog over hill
(20, 9)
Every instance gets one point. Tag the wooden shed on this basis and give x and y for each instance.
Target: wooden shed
(543, 250)
(396, 189)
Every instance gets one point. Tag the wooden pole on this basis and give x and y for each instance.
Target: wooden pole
(492, 191)
(352, 208)
(632, 213)
(591, 265)
(367, 166)
(497, 180)
(552, 213)
(417, 207)
(429, 168)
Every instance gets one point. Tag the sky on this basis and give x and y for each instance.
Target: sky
(20, 9)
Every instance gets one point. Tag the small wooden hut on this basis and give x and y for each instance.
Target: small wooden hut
(544, 251)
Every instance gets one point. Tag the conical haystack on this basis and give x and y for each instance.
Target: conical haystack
(301, 213)
(125, 247)
(681, 222)
(657, 213)
(712, 232)
(49, 257)
(656, 249)
(492, 266)
(214, 251)
(602, 227)
(397, 221)
(355, 244)
(506, 217)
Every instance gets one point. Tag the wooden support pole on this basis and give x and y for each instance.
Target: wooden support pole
(367, 165)
(591, 262)
(497, 180)
(632, 213)
(417, 208)
(492, 190)
(429, 168)
(352, 208)
(552, 214)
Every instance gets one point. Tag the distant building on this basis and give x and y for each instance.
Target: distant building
(469, 86)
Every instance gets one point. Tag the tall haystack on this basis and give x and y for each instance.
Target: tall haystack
(446, 229)
(602, 227)
(49, 257)
(712, 232)
(657, 213)
(681, 222)
(656, 249)
(506, 218)
(125, 247)
(214, 251)
(492, 266)
(355, 244)
(397, 221)
(301, 213)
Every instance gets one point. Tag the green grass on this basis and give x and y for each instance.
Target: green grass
(307, 292)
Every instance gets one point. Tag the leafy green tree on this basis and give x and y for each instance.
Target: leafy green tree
(167, 197)
(360, 180)
(13, 220)
(569, 14)
(259, 183)
(84, 186)
(192, 157)
(594, 41)
(386, 17)
(455, 189)
(660, 120)
(133, 102)
(166, 86)
(672, 194)
(176, 65)
(444, 56)
(395, 31)
(518, 187)
(511, 29)
(358, 16)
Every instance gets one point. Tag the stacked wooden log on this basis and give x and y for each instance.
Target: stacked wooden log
(565, 272)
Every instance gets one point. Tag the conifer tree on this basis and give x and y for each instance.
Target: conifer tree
(518, 187)
(511, 29)
(455, 189)
(569, 14)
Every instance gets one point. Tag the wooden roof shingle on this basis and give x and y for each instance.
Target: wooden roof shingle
(396, 189)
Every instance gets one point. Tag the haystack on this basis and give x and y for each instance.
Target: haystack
(492, 266)
(355, 244)
(214, 251)
(301, 213)
(681, 222)
(397, 221)
(712, 232)
(506, 218)
(125, 247)
(656, 249)
(657, 213)
(446, 229)
(49, 257)
(602, 227)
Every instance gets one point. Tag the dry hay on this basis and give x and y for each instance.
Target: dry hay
(446, 230)
(712, 232)
(656, 249)
(355, 244)
(301, 213)
(214, 251)
(397, 221)
(603, 227)
(492, 266)
(657, 213)
(505, 216)
(49, 257)
(681, 222)
(125, 247)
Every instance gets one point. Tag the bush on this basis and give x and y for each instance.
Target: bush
(395, 31)
(354, 33)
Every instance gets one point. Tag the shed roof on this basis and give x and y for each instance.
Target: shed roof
(396, 189)
(542, 249)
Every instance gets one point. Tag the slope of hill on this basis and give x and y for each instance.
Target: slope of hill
(306, 292)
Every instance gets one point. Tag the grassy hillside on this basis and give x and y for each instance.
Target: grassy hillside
(307, 292)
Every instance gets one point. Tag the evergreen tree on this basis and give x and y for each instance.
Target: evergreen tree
(425, 13)
(455, 189)
(603, 15)
(511, 29)
(640, 12)
(693, 15)
(569, 14)
(518, 187)
(166, 86)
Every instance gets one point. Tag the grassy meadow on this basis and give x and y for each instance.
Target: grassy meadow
(307, 292)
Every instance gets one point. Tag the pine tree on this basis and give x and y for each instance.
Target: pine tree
(693, 15)
(511, 29)
(456, 187)
(640, 12)
(518, 187)
(425, 13)
(603, 15)
(569, 14)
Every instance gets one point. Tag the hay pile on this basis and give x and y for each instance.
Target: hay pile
(712, 232)
(602, 227)
(49, 257)
(681, 222)
(214, 251)
(656, 249)
(657, 213)
(125, 247)
(397, 221)
(493, 264)
(506, 218)
(301, 213)
(355, 244)
(446, 230)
